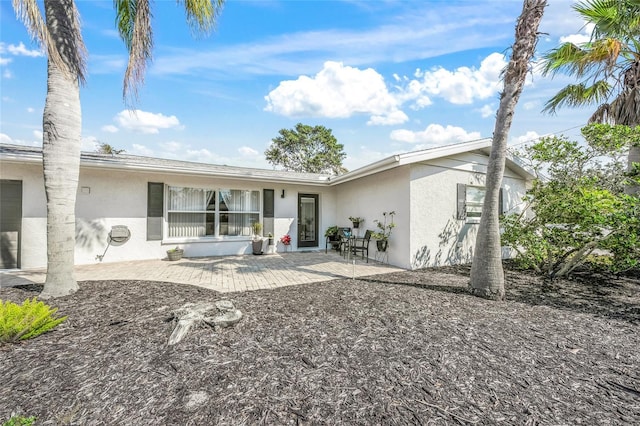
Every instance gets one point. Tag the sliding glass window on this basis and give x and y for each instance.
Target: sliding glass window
(192, 212)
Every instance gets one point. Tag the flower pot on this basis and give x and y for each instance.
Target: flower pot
(175, 254)
(257, 246)
(382, 245)
(356, 225)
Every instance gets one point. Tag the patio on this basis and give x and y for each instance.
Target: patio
(223, 274)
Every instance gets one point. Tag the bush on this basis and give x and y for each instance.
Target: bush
(19, 421)
(21, 322)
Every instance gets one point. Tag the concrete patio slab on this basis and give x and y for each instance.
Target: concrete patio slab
(223, 274)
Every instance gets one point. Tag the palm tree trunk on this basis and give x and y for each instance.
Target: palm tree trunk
(487, 275)
(62, 123)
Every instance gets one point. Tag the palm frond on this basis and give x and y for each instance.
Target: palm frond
(139, 41)
(202, 14)
(28, 12)
(575, 95)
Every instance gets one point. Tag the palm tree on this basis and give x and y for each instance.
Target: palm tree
(60, 36)
(607, 67)
(487, 275)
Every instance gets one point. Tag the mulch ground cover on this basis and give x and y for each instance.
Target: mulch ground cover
(402, 348)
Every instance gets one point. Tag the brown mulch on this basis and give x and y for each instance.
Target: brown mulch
(402, 348)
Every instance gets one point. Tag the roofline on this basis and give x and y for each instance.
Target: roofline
(241, 173)
(251, 174)
(410, 158)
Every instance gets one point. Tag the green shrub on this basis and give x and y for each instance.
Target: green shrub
(19, 421)
(20, 322)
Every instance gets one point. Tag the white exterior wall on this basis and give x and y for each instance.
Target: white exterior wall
(368, 198)
(437, 237)
(116, 197)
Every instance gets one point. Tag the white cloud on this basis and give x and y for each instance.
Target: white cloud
(461, 86)
(530, 136)
(37, 134)
(90, 143)
(5, 138)
(487, 111)
(109, 128)
(5, 61)
(434, 135)
(337, 91)
(172, 146)
(30, 110)
(247, 151)
(141, 150)
(580, 38)
(20, 50)
(145, 122)
(395, 117)
(7, 74)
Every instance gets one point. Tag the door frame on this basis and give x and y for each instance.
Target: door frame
(316, 241)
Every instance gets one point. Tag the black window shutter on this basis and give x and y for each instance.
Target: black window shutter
(462, 205)
(155, 204)
(267, 208)
(501, 202)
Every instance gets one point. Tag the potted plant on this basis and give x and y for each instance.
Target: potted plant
(331, 234)
(257, 237)
(175, 253)
(384, 230)
(270, 237)
(356, 221)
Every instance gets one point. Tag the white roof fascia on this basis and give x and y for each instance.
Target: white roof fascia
(410, 158)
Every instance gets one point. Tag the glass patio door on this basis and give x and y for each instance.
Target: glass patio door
(307, 220)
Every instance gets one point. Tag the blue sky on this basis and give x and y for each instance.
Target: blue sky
(385, 76)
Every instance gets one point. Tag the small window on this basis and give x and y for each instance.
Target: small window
(470, 202)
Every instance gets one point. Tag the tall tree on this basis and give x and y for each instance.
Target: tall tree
(307, 149)
(60, 36)
(487, 275)
(608, 70)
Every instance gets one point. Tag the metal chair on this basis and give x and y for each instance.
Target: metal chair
(361, 245)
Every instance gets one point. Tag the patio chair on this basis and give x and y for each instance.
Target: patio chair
(361, 245)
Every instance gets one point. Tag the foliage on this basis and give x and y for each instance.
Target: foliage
(607, 68)
(576, 207)
(21, 322)
(307, 149)
(285, 239)
(606, 65)
(384, 230)
(331, 231)
(257, 228)
(105, 148)
(356, 219)
(174, 250)
(20, 421)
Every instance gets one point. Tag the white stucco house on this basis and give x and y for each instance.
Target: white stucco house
(208, 209)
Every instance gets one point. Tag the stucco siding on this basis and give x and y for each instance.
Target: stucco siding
(437, 236)
(107, 198)
(369, 197)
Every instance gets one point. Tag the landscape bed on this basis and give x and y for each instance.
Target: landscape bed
(401, 348)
